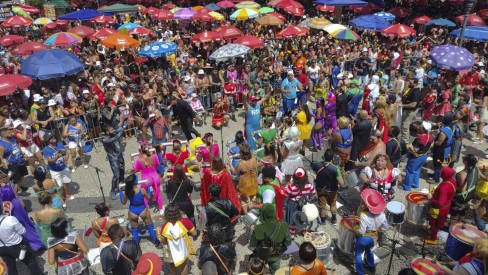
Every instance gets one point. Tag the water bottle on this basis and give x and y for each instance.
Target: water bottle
(23, 250)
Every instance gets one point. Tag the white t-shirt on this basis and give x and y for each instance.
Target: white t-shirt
(314, 71)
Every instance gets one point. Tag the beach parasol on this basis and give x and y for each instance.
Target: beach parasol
(294, 11)
(332, 28)
(292, 31)
(285, 3)
(82, 31)
(141, 31)
(441, 22)
(9, 83)
(42, 21)
(225, 4)
(158, 49)
(228, 31)
(212, 6)
(206, 36)
(49, 64)
(473, 20)
(164, 15)
(244, 14)
(10, 39)
(398, 30)
(120, 41)
(184, 14)
(369, 22)
(248, 5)
(168, 6)
(203, 17)
(151, 11)
(422, 20)
(346, 34)
(269, 20)
(128, 26)
(279, 15)
(103, 19)
(197, 8)
(102, 33)
(265, 10)
(400, 12)
(325, 8)
(475, 33)
(452, 57)
(318, 23)
(63, 39)
(217, 16)
(229, 51)
(29, 48)
(250, 41)
(16, 22)
(385, 15)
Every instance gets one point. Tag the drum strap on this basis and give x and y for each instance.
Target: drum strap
(217, 210)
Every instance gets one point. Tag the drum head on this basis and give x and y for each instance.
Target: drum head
(349, 222)
(395, 207)
(417, 198)
(468, 235)
(283, 271)
(425, 266)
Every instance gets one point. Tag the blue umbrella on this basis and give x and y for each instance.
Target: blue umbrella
(128, 26)
(369, 22)
(53, 63)
(385, 15)
(476, 33)
(84, 14)
(441, 22)
(341, 2)
(212, 6)
(158, 49)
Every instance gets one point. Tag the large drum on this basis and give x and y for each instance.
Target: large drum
(395, 212)
(418, 204)
(347, 236)
(351, 178)
(321, 241)
(461, 239)
(251, 218)
(425, 266)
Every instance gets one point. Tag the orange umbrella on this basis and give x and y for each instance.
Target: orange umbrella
(269, 20)
(120, 41)
(198, 8)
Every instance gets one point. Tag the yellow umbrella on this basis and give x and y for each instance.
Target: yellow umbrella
(244, 14)
(173, 10)
(333, 28)
(42, 21)
(247, 4)
(318, 23)
(217, 16)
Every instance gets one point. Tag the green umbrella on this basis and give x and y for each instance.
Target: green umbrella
(264, 10)
(57, 3)
(119, 8)
(21, 12)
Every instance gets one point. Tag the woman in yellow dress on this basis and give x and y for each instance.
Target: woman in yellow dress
(303, 119)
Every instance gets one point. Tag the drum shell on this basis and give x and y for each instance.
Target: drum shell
(417, 213)
(251, 218)
(395, 218)
(461, 239)
(351, 178)
(347, 237)
(455, 248)
(324, 255)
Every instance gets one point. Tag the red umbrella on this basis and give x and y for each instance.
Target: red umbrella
(168, 6)
(102, 33)
(82, 31)
(325, 8)
(11, 39)
(279, 15)
(151, 11)
(292, 31)
(400, 12)
(225, 4)
(250, 40)
(205, 10)
(398, 30)
(473, 20)
(164, 15)
(294, 11)
(17, 21)
(422, 20)
(29, 48)
(204, 17)
(286, 3)
(368, 9)
(141, 31)
(54, 26)
(103, 19)
(483, 13)
(29, 9)
(206, 36)
(228, 31)
(10, 82)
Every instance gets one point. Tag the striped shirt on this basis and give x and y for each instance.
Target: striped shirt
(295, 194)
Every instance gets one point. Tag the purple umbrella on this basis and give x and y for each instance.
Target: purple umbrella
(185, 13)
(452, 57)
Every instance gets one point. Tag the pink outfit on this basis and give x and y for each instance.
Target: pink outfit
(153, 179)
(196, 105)
(206, 156)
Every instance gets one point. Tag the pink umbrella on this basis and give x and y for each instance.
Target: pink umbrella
(9, 83)
(17, 21)
(473, 20)
(292, 31)
(151, 10)
(287, 3)
(206, 36)
(250, 40)
(11, 39)
(422, 20)
(29, 48)
(141, 31)
(168, 6)
(226, 4)
(228, 31)
(102, 33)
(82, 31)
(164, 15)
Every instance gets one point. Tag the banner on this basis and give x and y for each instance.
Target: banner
(50, 11)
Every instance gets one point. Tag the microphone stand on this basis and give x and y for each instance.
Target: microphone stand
(99, 181)
(393, 245)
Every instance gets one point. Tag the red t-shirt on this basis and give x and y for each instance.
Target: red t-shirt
(230, 88)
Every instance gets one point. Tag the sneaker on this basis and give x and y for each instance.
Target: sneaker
(85, 166)
(429, 241)
(70, 197)
(302, 152)
(73, 170)
(113, 195)
(322, 220)
(64, 207)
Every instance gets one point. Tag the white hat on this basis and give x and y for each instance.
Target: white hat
(429, 62)
(85, 92)
(110, 85)
(51, 102)
(37, 97)
(427, 126)
(17, 123)
(365, 49)
(350, 76)
(396, 55)
(340, 75)
(108, 70)
(8, 123)
(201, 71)
(290, 72)
(338, 48)
(311, 211)
(194, 95)
(186, 78)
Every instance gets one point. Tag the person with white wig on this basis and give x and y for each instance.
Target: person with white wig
(289, 150)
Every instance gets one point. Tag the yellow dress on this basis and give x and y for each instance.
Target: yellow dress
(304, 127)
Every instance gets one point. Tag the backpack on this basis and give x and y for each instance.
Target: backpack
(271, 246)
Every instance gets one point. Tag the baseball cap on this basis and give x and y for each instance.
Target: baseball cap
(17, 123)
(187, 78)
(290, 73)
(85, 92)
(37, 97)
(427, 126)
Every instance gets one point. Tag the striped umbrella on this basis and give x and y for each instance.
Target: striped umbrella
(346, 34)
(244, 14)
(334, 28)
(63, 39)
(42, 21)
(247, 4)
(318, 23)
(217, 16)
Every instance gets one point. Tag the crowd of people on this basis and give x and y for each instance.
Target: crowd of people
(380, 110)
